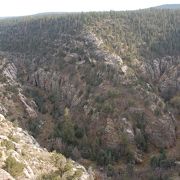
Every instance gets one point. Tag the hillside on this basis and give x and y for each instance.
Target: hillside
(169, 6)
(102, 88)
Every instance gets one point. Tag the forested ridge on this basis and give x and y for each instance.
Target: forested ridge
(146, 33)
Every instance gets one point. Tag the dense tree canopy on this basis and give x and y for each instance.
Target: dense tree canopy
(145, 33)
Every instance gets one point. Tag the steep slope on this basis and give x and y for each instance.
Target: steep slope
(97, 86)
(20, 154)
(23, 158)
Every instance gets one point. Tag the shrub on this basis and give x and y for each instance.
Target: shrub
(130, 156)
(79, 132)
(3, 79)
(68, 166)
(102, 157)
(51, 176)
(14, 167)
(100, 99)
(154, 162)
(59, 161)
(105, 157)
(175, 101)
(157, 112)
(107, 108)
(67, 130)
(113, 94)
(38, 98)
(110, 170)
(131, 103)
(8, 144)
(167, 163)
(34, 127)
(15, 139)
(78, 174)
(130, 169)
(52, 98)
(141, 141)
(68, 133)
(140, 120)
(12, 89)
(161, 161)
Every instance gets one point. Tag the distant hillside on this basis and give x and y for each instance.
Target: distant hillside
(168, 6)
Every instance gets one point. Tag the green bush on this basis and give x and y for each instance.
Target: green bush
(66, 130)
(59, 161)
(105, 157)
(113, 94)
(14, 167)
(8, 144)
(38, 98)
(78, 174)
(79, 132)
(167, 163)
(52, 98)
(141, 141)
(175, 101)
(107, 108)
(68, 133)
(157, 112)
(102, 157)
(161, 161)
(34, 126)
(51, 176)
(154, 162)
(130, 169)
(130, 156)
(13, 138)
(140, 120)
(3, 79)
(68, 166)
(12, 89)
(100, 99)
(110, 170)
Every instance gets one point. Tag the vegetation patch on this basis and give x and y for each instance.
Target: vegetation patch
(8, 144)
(14, 167)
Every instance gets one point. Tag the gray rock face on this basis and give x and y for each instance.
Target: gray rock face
(165, 71)
(2, 118)
(162, 132)
(111, 138)
(170, 82)
(56, 82)
(5, 175)
(45, 80)
(3, 110)
(30, 111)
(157, 67)
(10, 71)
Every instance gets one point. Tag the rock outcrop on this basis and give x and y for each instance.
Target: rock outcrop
(5, 175)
